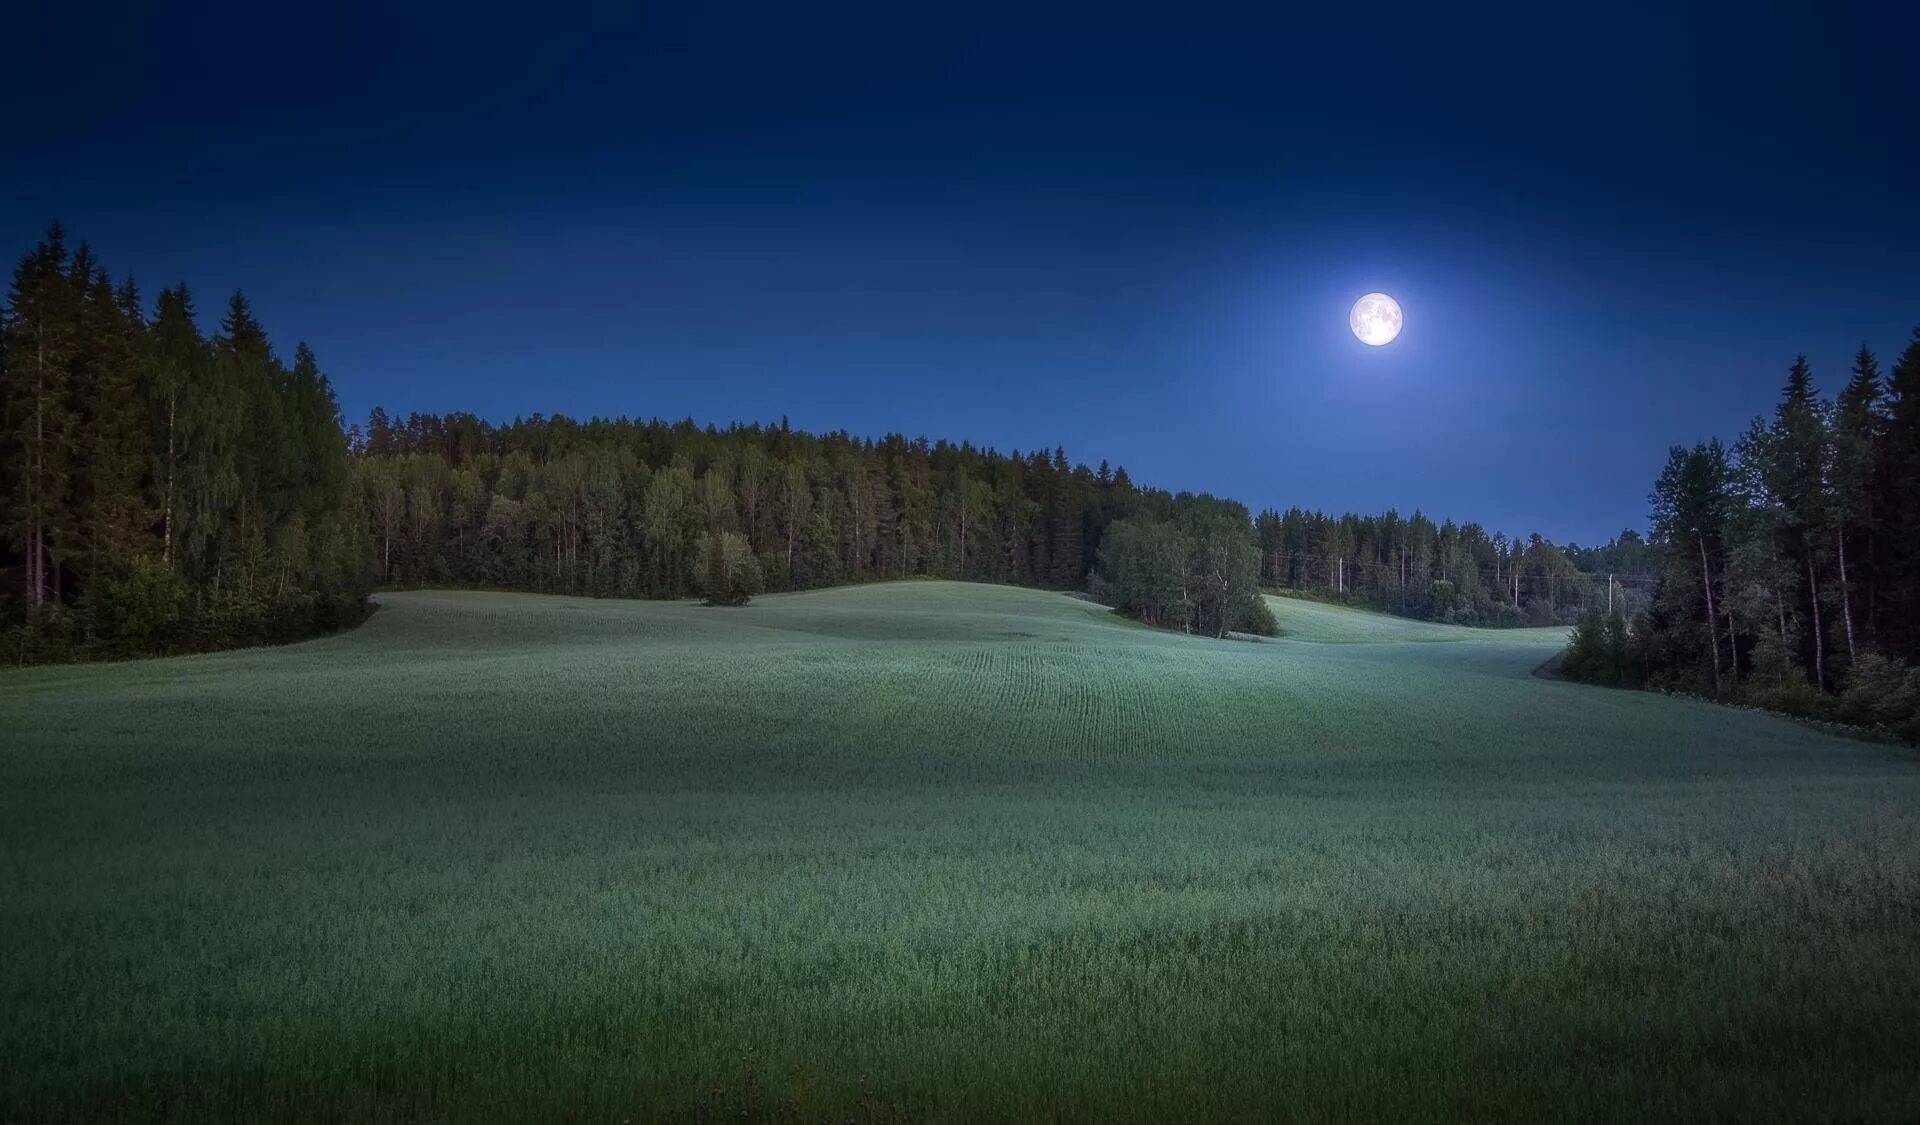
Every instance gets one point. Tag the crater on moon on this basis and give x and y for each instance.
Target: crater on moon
(1375, 319)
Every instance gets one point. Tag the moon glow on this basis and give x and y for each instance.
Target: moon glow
(1375, 319)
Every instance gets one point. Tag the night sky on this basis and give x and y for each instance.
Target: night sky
(1131, 232)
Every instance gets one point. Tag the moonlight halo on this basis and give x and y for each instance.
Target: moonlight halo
(1375, 319)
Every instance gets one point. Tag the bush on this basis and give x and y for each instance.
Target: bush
(1794, 695)
(47, 636)
(725, 570)
(773, 573)
(138, 605)
(1884, 692)
(1597, 651)
(1257, 618)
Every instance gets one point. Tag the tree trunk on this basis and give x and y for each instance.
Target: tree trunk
(1873, 584)
(36, 564)
(166, 523)
(1713, 638)
(37, 534)
(1726, 605)
(1733, 643)
(1819, 641)
(1846, 596)
(1780, 607)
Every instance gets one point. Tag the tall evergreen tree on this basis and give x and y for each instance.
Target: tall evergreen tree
(36, 411)
(177, 373)
(208, 414)
(1856, 430)
(110, 484)
(1898, 490)
(1690, 509)
(1795, 458)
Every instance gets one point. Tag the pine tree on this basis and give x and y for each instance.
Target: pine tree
(1067, 523)
(111, 487)
(1898, 503)
(36, 416)
(1856, 427)
(176, 362)
(1795, 459)
(265, 451)
(379, 434)
(1690, 510)
(319, 453)
(204, 413)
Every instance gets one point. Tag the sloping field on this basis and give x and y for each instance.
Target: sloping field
(1302, 620)
(518, 858)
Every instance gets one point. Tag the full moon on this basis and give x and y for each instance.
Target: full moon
(1375, 319)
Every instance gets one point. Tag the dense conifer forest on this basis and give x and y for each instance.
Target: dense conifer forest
(162, 489)
(618, 507)
(1787, 565)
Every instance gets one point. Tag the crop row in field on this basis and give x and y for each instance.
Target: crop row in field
(508, 857)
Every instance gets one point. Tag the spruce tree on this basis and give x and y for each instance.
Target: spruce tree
(1856, 427)
(316, 440)
(1796, 459)
(1691, 505)
(111, 487)
(1898, 503)
(36, 414)
(203, 412)
(176, 373)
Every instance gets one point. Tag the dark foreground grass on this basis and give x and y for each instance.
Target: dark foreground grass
(507, 858)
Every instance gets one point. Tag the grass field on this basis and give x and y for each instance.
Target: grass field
(1007, 857)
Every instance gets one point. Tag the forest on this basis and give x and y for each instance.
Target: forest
(163, 490)
(616, 507)
(170, 490)
(1787, 566)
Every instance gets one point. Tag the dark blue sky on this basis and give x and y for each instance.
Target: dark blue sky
(1133, 232)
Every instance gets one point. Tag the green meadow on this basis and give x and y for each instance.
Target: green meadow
(936, 852)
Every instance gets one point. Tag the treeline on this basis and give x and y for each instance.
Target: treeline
(622, 507)
(1788, 564)
(630, 508)
(1447, 572)
(162, 491)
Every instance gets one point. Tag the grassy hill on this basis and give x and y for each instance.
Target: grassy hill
(499, 856)
(1304, 620)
